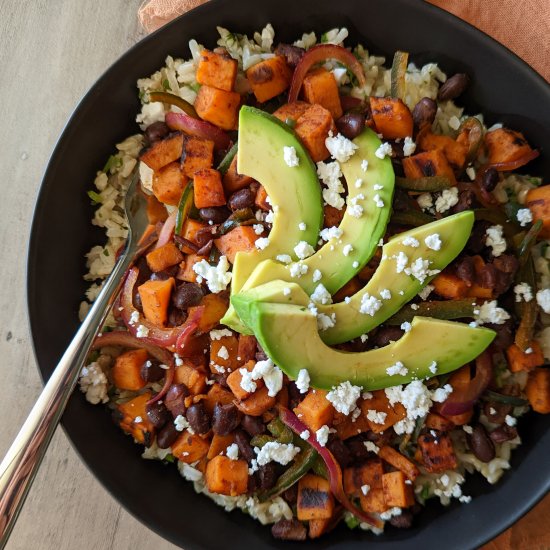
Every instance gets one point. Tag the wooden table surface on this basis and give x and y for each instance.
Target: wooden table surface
(51, 52)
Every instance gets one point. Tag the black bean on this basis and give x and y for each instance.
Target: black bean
(165, 274)
(489, 180)
(156, 131)
(243, 442)
(487, 276)
(158, 414)
(292, 54)
(175, 399)
(357, 449)
(244, 198)
(187, 295)
(198, 418)
(167, 435)
(225, 418)
(453, 87)
(466, 199)
(214, 214)
(151, 371)
(267, 475)
(505, 334)
(341, 453)
(403, 520)
(351, 124)
(480, 444)
(291, 494)
(496, 412)
(385, 335)
(465, 269)
(503, 433)
(424, 112)
(253, 425)
(289, 529)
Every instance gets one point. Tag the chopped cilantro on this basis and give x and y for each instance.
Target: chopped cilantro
(96, 197)
(166, 85)
(170, 458)
(105, 252)
(113, 162)
(352, 522)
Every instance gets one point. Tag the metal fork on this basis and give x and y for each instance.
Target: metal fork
(21, 463)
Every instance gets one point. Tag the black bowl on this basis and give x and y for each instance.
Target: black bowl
(503, 87)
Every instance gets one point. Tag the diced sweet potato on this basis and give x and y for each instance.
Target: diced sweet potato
(454, 151)
(538, 201)
(380, 403)
(234, 382)
(247, 348)
(198, 154)
(313, 128)
(164, 256)
(320, 88)
(257, 404)
(186, 272)
(461, 419)
(169, 183)
(219, 444)
(315, 410)
(397, 460)
(239, 239)
(318, 527)
(227, 477)
(233, 181)
(223, 353)
(447, 285)
(208, 188)
(437, 452)
(437, 422)
(269, 78)
(155, 299)
(392, 117)
(217, 394)
(538, 390)
(396, 491)
(126, 371)
(195, 348)
(292, 111)
(189, 447)
(428, 163)
(191, 377)
(347, 427)
(315, 501)
(217, 70)
(505, 145)
(369, 474)
(373, 501)
(261, 199)
(332, 216)
(189, 231)
(163, 152)
(218, 106)
(519, 360)
(215, 307)
(135, 409)
(156, 211)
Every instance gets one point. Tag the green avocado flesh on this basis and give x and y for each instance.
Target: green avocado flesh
(288, 334)
(350, 323)
(295, 192)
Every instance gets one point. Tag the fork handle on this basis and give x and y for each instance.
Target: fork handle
(21, 463)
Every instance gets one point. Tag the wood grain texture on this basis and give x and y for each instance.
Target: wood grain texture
(53, 51)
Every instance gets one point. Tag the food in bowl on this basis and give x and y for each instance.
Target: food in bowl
(342, 309)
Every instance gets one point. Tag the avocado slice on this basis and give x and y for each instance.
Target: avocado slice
(295, 192)
(453, 232)
(288, 334)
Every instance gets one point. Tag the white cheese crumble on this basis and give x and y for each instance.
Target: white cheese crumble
(297, 270)
(364, 165)
(266, 370)
(286, 291)
(330, 174)
(369, 304)
(232, 451)
(425, 201)
(218, 334)
(401, 261)
(411, 241)
(378, 201)
(524, 216)
(273, 451)
(347, 250)
(454, 123)
(495, 240)
(385, 294)
(406, 326)
(303, 250)
(325, 322)
(409, 146)
(398, 368)
(321, 295)
(371, 447)
(94, 384)
(302, 226)
(489, 312)
(258, 228)
(355, 210)
(134, 318)
(283, 258)
(303, 380)
(317, 276)
(468, 429)
(426, 291)
(340, 147)
(543, 299)
(269, 216)
(290, 156)
(344, 397)
(355, 264)
(322, 435)
(523, 291)
(181, 423)
(447, 199)
(471, 173)
(142, 331)
(305, 434)
(433, 242)
(223, 353)
(378, 187)
(376, 417)
(331, 233)
(433, 367)
(358, 183)
(365, 488)
(510, 420)
(217, 277)
(383, 151)
(261, 243)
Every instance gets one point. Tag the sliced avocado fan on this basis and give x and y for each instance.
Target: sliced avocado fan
(288, 334)
(438, 243)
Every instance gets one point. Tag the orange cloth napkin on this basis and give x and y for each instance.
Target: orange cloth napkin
(522, 25)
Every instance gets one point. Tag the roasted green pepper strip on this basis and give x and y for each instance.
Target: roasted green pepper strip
(303, 462)
(448, 309)
(176, 100)
(414, 218)
(245, 216)
(280, 431)
(184, 207)
(529, 241)
(260, 440)
(224, 165)
(320, 468)
(490, 395)
(527, 310)
(398, 71)
(428, 183)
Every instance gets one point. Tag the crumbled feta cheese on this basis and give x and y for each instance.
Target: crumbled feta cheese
(378, 201)
(283, 258)
(302, 382)
(321, 295)
(495, 240)
(409, 146)
(181, 423)
(253, 467)
(489, 312)
(340, 147)
(302, 226)
(355, 264)
(355, 210)
(383, 151)
(425, 201)
(94, 384)
(269, 216)
(426, 291)
(217, 277)
(266, 370)
(419, 269)
(273, 451)
(219, 334)
(261, 243)
(401, 260)
(524, 216)
(317, 275)
(398, 368)
(365, 488)
(364, 165)
(510, 420)
(232, 451)
(330, 174)
(286, 291)
(433, 367)
(543, 299)
(376, 417)
(258, 228)
(303, 250)
(324, 322)
(298, 269)
(364, 338)
(447, 199)
(223, 353)
(371, 447)
(406, 326)
(134, 318)
(331, 233)
(523, 291)
(247, 381)
(305, 434)
(290, 156)
(433, 242)
(411, 241)
(378, 187)
(454, 123)
(138, 420)
(322, 435)
(142, 331)
(468, 429)
(414, 307)
(344, 397)
(471, 173)
(347, 250)
(441, 394)
(369, 304)
(385, 294)
(358, 183)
